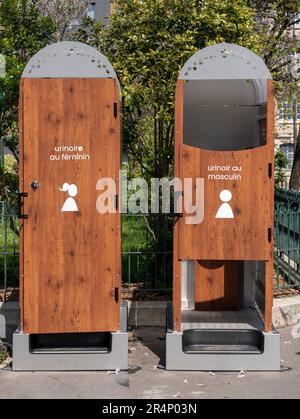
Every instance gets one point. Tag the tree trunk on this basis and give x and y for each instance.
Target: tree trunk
(295, 176)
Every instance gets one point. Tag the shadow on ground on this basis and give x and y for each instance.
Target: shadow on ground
(153, 339)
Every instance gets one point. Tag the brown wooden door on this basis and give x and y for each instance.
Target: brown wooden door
(71, 263)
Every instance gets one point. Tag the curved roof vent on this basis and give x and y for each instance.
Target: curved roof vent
(69, 60)
(225, 61)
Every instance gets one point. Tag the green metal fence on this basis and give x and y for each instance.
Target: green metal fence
(146, 251)
(9, 248)
(147, 247)
(287, 239)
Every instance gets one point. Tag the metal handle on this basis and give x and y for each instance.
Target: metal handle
(35, 185)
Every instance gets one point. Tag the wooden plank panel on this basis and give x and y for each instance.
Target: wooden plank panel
(269, 281)
(176, 262)
(72, 259)
(21, 189)
(245, 237)
(217, 285)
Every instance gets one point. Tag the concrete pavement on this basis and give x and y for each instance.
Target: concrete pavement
(146, 381)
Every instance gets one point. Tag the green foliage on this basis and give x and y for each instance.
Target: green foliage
(9, 250)
(24, 31)
(281, 163)
(146, 255)
(278, 45)
(295, 176)
(9, 180)
(148, 41)
(64, 13)
(277, 42)
(3, 352)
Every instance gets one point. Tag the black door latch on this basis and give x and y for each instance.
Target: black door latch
(115, 110)
(270, 235)
(20, 205)
(117, 294)
(270, 170)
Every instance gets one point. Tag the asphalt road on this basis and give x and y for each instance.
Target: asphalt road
(148, 381)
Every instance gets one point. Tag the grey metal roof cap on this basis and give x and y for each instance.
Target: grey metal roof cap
(69, 60)
(225, 61)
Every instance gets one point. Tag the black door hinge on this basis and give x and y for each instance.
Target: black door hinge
(270, 234)
(116, 202)
(117, 294)
(20, 196)
(115, 110)
(270, 170)
(23, 194)
(175, 214)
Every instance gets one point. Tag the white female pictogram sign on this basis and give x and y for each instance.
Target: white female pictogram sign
(70, 204)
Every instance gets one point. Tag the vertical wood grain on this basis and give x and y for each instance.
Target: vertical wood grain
(217, 285)
(118, 163)
(269, 279)
(21, 189)
(245, 236)
(72, 260)
(176, 261)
